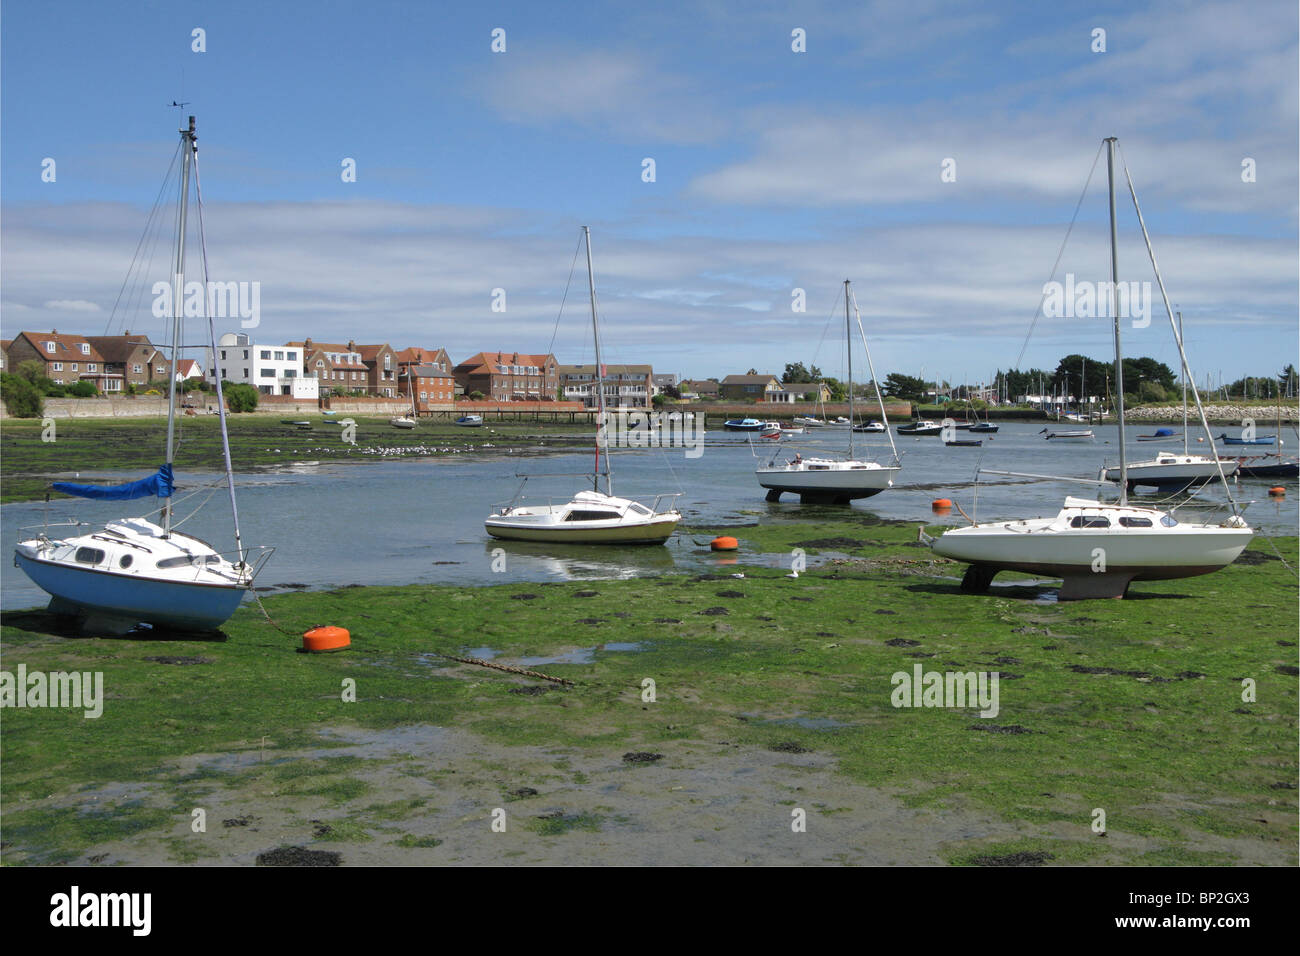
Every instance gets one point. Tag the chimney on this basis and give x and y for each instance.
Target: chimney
(306, 347)
(352, 346)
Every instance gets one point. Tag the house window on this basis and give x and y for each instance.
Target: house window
(74, 366)
(266, 354)
(223, 355)
(245, 353)
(280, 355)
(58, 366)
(135, 369)
(292, 356)
(90, 366)
(49, 346)
(267, 373)
(85, 348)
(320, 363)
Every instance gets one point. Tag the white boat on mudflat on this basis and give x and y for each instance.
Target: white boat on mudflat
(1136, 543)
(1098, 549)
(134, 571)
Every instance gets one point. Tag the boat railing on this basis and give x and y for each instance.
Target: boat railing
(522, 501)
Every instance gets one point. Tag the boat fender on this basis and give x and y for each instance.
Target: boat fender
(1277, 491)
(724, 543)
(325, 638)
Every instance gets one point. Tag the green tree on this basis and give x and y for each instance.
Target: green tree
(21, 397)
(796, 374)
(240, 397)
(898, 385)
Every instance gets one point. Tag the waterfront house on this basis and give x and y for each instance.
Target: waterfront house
(333, 365)
(381, 369)
(750, 387)
(271, 369)
(509, 376)
(695, 389)
(625, 386)
(68, 359)
(133, 357)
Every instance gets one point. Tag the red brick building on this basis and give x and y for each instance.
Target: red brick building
(509, 376)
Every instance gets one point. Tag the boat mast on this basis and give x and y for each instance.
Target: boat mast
(216, 363)
(1183, 376)
(1114, 310)
(178, 296)
(848, 347)
(600, 378)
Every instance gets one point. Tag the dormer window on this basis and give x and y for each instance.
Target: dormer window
(49, 346)
(85, 348)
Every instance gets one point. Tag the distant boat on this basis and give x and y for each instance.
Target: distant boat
(787, 430)
(589, 517)
(1261, 440)
(834, 480)
(470, 421)
(743, 425)
(871, 426)
(1160, 434)
(921, 427)
(402, 422)
(984, 428)
(964, 443)
(1168, 472)
(1260, 466)
(1078, 434)
(809, 421)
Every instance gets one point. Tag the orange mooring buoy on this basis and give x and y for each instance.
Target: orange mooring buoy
(941, 504)
(724, 543)
(326, 638)
(1277, 491)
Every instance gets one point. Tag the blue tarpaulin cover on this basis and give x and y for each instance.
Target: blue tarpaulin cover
(159, 484)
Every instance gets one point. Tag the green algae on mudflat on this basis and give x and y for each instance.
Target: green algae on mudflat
(1138, 707)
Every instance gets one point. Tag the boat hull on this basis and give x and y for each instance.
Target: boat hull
(653, 532)
(187, 606)
(837, 486)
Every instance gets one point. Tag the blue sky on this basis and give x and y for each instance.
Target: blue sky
(774, 170)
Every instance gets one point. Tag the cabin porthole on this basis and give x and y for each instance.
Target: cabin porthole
(124, 561)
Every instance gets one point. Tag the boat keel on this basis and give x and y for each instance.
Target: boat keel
(773, 494)
(1086, 587)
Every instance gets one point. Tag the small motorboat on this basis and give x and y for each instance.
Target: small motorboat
(984, 428)
(1261, 440)
(1077, 434)
(840, 421)
(787, 430)
(1268, 466)
(1160, 435)
(470, 421)
(922, 426)
(743, 425)
(964, 443)
(809, 421)
(872, 426)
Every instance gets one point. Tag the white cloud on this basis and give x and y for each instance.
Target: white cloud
(72, 305)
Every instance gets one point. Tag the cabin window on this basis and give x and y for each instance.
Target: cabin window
(590, 515)
(125, 561)
(640, 509)
(1089, 521)
(1169, 521)
(89, 556)
(174, 562)
(1128, 522)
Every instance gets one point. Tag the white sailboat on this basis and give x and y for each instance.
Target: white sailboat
(1169, 472)
(1099, 548)
(589, 517)
(134, 571)
(835, 480)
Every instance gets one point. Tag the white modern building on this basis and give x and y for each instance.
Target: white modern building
(271, 369)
